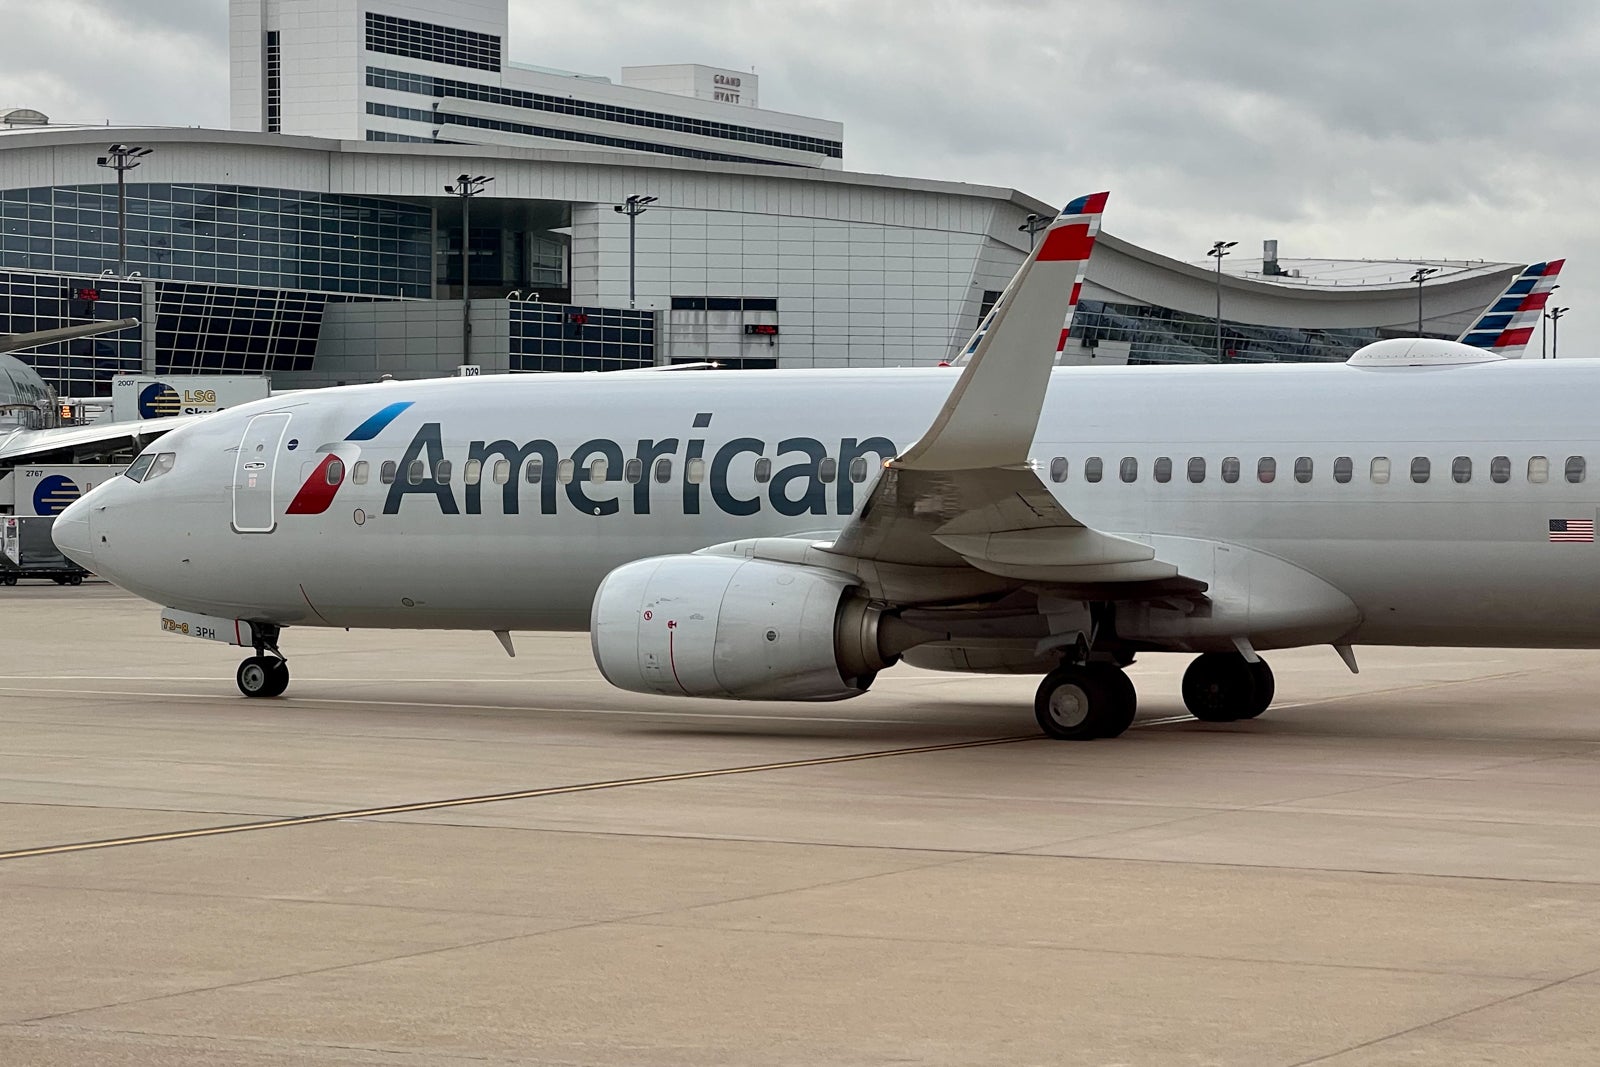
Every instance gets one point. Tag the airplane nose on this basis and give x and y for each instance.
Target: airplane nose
(71, 534)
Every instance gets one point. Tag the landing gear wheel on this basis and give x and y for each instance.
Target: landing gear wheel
(1084, 703)
(263, 676)
(1124, 700)
(1266, 688)
(1221, 687)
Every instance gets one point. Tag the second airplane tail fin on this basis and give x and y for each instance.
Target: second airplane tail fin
(1506, 325)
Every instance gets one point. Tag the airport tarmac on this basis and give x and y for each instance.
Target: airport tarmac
(430, 853)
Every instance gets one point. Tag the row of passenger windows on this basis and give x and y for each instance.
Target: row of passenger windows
(1380, 470)
(599, 471)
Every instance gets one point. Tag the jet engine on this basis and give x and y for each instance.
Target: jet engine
(742, 629)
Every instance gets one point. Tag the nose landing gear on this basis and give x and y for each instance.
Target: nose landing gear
(262, 675)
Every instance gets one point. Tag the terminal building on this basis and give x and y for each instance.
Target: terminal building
(317, 242)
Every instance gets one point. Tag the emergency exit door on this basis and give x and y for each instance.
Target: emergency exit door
(254, 471)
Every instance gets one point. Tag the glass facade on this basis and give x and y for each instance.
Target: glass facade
(1162, 335)
(210, 329)
(432, 42)
(199, 328)
(274, 83)
(562, 337)
(31, 302)
(441, 118)
(427, 85)
(224, 234)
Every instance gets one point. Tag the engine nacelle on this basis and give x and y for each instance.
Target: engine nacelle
(737, 628)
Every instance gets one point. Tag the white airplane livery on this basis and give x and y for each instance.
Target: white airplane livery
(789, 534)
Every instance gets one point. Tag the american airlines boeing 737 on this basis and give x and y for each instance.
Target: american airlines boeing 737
(789, 534)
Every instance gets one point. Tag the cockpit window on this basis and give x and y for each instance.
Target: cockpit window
(164, 462)
(140, 466)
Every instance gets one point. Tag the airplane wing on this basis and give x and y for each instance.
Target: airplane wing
(12, 342)
(1506, 325)
(966, 494)
(82, 443)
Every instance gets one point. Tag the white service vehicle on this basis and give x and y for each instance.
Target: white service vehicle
(136, 396)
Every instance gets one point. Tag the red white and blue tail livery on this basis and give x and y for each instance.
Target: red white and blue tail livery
(1506, 325)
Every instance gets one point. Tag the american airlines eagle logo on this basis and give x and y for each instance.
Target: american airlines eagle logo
(316, 495)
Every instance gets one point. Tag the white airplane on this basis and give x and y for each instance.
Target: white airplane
(789, 534)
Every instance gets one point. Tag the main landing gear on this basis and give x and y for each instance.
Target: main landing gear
(262, 675)
(1080, 702)
(1225, 687)
(1084, 701)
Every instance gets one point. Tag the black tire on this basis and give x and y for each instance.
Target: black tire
(1124, 697)
(8, 579)
(76, 579)
(1266, 689)
(1073, 704)
(280, 677)
(259, 677)
(1219, 687)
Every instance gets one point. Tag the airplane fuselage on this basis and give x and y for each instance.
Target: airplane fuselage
(1450, 555)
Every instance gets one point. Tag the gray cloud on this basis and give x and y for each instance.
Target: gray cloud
(1364, 128)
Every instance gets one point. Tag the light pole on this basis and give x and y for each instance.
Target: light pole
(1543, 351)
(1032, 225)
(1554, 315)
(122, 158)
(466, 187)
(1218, 250)
(632, 207)
(1420, 274)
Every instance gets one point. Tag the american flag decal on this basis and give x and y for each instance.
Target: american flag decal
(1571, 530)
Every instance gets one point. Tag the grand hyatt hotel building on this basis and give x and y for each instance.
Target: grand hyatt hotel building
(315, 240)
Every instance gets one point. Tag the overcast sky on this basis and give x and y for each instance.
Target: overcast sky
(1362, 128)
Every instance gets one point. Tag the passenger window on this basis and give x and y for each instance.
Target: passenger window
(564, 471)
(1500, 469)
(472, 473)
(827, 470)
(1461, 469)
(414, 472)
(442, 472)
(858, 469)
(694, 471)
(1380, 470)
(1343, 469)
(534, 472)
(501, 471)
(1163, 469)
(1230, 469)
(1575, 469)
(1538, 470)
(358, 473)
(335, 471)
(1058, 469)
(664, 469)
(1302, 469)
(1130, 469)
(1092, 469)
(163, 464)
(140, 465)
(386, 472)
(1420, 469)
(763, 470)
(1197, 470)
(633, 471)
(599, 470)
(1267, 470)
